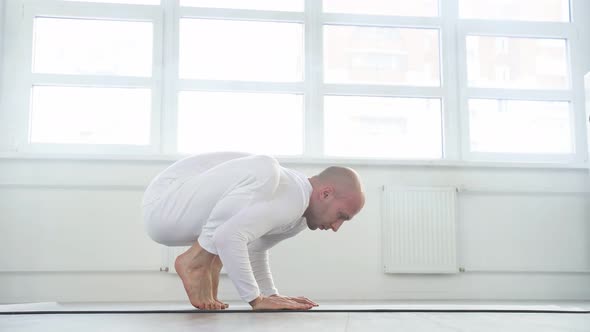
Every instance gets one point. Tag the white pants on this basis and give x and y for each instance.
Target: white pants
(197, 194)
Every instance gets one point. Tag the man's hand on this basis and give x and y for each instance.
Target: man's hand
(300, 299)
(279, 303)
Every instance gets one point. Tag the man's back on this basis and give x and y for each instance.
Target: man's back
(196, 194)
(191, 166)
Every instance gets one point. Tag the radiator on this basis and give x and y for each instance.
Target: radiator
(419, 229)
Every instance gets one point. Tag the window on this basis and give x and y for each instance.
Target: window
(91, 76)
(518, 100)
(264, 122)
(241, 50)
(520, 126)
(241, 78)
(369, 55)
(532, 63)
(94, 115)
(378, 127)
(468, 80)
(92, 47)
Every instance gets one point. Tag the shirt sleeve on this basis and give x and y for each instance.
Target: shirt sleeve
(261, 267)
(231, 242)
(259, 260)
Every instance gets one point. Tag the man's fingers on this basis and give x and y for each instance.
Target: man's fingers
(304, 300)
(310, 301)
(291, 304)
(301, 305)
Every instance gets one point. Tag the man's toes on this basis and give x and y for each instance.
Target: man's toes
(224, 305)
(204, 306)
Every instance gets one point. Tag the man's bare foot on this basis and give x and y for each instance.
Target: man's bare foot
(194, 269)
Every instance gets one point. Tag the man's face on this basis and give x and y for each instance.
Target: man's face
(330, 212)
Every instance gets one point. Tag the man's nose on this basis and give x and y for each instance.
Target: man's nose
(336, 225)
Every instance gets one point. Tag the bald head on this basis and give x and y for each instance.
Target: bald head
(344, 180)
(337, 196)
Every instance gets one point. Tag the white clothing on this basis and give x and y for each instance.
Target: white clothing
(237, 205)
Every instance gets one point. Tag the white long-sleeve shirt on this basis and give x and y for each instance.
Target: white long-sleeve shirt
(238, 206)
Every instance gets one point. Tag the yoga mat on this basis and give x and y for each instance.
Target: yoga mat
(113, 308)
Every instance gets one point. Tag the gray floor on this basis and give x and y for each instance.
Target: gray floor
(309, 321)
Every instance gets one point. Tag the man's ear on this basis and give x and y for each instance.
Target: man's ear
(326, 192)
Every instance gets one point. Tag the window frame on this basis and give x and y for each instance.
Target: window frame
(24, 82)
(165, 84)
(520, 29)
(175, 14)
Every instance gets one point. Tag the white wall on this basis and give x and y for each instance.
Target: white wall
(84, 215)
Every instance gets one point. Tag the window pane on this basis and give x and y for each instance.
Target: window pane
(383, 7)
(368, 55)
(90, 115)
(100, 47)
(250, 122)
(520, 126)
(521, 63)
(132, 2)
(378, 127)
(282, 5)
(525, 10)
(240, 50)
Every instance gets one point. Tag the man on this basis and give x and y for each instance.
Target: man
(232, 208)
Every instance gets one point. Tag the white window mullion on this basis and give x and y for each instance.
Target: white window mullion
(157, 81)
(517, 29)
(91, 80)
(462, 102)
(450, 73)
(241, 86)
(170, 83)
(383, 90)
(520, 94)
(510, 157)
(104, 149)
(21, 104)
(381, 21)
(240, 14)
(90, 10)
(577, 53)
(313, 80)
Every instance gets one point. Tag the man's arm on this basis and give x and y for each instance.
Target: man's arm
(259, 252)
(231, 243)
(261, 267)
